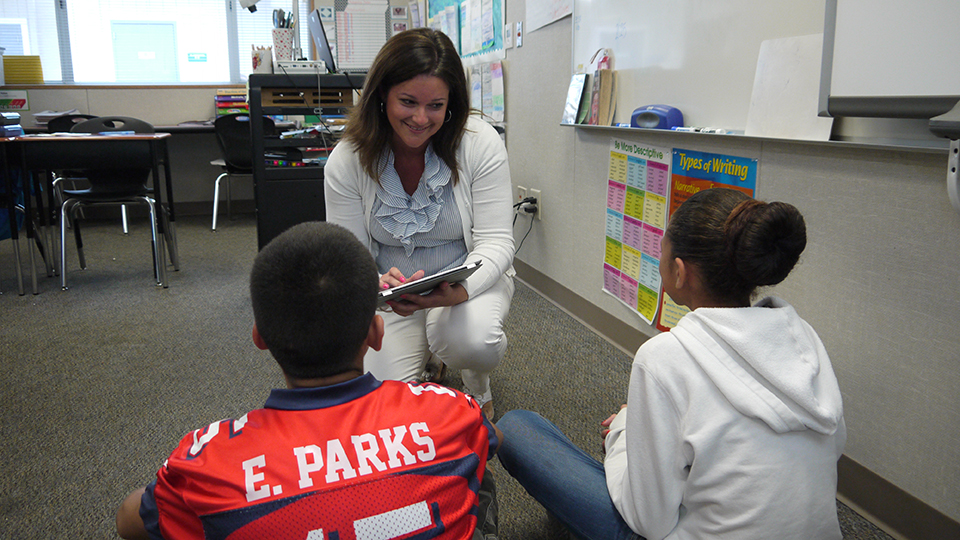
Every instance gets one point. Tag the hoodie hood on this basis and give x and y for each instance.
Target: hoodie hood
(768, 362)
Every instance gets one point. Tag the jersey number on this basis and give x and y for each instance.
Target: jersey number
(396, 523)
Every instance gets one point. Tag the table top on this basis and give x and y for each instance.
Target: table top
(50, 137)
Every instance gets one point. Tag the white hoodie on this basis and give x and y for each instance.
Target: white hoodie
(733, 430)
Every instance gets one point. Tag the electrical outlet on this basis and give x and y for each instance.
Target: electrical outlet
(539, 196)
(521, 193)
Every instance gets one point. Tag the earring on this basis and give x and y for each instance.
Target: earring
(383, 108)
(449, 116)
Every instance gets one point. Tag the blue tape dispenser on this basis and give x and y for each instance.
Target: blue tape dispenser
(656, 117)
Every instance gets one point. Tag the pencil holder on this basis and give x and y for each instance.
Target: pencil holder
(262, 59)
(282, 44)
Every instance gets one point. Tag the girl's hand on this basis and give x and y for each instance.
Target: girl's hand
(606, 423)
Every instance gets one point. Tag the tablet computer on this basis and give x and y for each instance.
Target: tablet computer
(428, 283)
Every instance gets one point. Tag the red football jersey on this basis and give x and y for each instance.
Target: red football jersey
(359, 460)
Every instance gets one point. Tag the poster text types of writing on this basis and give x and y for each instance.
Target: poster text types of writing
(691, 172)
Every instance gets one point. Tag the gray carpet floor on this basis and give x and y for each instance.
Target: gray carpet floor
(98, 383)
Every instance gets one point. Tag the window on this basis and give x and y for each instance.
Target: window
(142, 41)
(13, 35)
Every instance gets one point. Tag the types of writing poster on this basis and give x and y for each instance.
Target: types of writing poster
(695, 171)
(638, 184)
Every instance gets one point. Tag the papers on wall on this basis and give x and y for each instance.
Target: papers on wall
(496, 72)
(16, 100)
(474, 13)
(486, 25)
(415, 15)
(645, 185)
(475, 26)
(465, 36)
(361, 32)
(486, 90)
(691, 172)
(476, 88)
(451, 24)
(638, 187)
(486, 78)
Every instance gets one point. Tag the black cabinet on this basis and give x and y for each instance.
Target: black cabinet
(286, 195)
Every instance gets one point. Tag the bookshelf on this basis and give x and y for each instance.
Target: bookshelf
(290, 191)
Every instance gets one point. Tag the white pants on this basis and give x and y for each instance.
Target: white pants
(467, 336)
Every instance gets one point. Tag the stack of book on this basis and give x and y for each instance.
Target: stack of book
(10, 125)
(231, 101)
(41, 118)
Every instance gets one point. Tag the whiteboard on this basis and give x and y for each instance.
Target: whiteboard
(697, 55)
(891, 58)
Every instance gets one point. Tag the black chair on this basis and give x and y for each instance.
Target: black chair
(117, 179)
(236, 147)
(114, 123)
(65, 123)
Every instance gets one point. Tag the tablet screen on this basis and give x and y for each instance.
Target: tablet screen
(428, 283)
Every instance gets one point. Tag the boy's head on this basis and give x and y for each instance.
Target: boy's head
(314, 293)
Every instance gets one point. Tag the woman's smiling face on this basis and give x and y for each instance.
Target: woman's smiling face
(416, 109)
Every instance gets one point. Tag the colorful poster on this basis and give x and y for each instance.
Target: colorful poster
(695, 171)
(637, 206)
(14, 100)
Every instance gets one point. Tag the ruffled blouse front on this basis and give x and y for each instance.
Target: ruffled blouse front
(403, 215)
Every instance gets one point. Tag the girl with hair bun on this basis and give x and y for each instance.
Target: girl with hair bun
(734, 421)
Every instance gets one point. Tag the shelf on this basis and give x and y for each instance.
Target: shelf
(286, 196)
(311, 172)
(296, 142)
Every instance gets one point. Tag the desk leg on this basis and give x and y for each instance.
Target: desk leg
(174, 251)
(159, 250)
(171, 224)
(16, 260)
(44, 239)
(53, 209)
(28, 217)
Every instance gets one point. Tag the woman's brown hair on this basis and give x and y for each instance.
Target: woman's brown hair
(421, 51)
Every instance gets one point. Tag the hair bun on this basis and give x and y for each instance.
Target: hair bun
(765, 240)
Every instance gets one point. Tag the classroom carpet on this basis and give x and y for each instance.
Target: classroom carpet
(101, 381)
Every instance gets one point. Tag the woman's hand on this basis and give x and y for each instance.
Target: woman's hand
(445, 294)
(394, 277)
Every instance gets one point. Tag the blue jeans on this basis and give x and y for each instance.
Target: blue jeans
(567, 481)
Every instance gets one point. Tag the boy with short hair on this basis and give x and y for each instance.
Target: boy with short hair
(337, 454)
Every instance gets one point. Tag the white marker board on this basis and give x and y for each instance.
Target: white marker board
(697, 55)
(890, 58)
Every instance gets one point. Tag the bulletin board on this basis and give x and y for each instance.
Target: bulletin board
(697, 55)
(496, 8)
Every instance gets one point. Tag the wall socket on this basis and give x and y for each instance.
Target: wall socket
(539, 196)
(521, 193)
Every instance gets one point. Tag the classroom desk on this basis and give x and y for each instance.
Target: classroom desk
(187, 127)
(36, 153)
